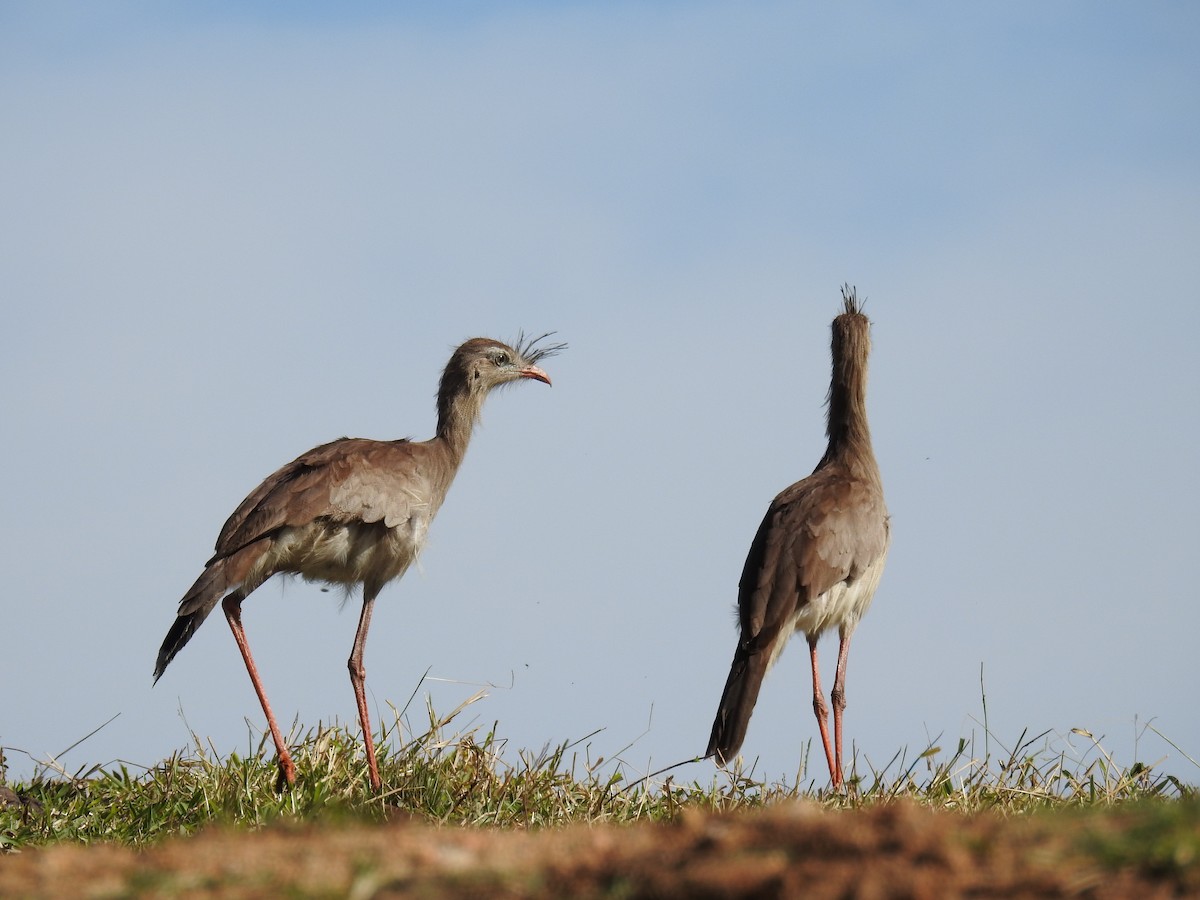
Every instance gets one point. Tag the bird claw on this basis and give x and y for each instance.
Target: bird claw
(286, 777)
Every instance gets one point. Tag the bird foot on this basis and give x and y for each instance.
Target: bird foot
(287, 775)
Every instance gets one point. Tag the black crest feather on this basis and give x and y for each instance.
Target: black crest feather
(531, 352)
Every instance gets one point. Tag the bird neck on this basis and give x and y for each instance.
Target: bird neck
(850, 444)
(458, 411)
(847, 429)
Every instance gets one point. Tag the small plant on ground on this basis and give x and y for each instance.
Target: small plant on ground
(467, 778)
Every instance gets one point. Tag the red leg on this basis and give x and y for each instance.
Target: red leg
(358, 678)
(822, 712)
(233, 612)
(839, 700)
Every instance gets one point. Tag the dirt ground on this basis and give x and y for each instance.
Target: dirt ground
(789, 850)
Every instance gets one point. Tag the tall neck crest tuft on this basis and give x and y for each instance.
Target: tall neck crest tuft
(846, 426)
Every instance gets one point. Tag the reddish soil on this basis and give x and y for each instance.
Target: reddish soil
(790, 850)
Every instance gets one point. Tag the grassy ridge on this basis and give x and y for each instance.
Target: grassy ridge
(462, 778)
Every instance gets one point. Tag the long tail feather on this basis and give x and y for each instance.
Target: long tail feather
(737, 703)
(194, 608)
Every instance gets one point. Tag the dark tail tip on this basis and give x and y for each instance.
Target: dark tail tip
(737, 703)
(724, 742)
(181, 632)
(194, 608)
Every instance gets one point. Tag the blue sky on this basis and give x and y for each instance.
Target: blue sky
(232, 232)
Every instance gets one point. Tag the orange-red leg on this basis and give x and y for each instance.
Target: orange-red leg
(822, 713)
(839, 700)
(358, 678)
(233, 613)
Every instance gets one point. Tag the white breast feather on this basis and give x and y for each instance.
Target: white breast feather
(843, 606)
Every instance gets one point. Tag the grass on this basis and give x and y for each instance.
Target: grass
(463, 778)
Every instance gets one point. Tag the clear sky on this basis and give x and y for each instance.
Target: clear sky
(233, 231)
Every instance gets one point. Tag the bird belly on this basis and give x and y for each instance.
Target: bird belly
(349, 552)
(842, 606)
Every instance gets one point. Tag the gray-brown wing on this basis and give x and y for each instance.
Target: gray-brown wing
(765, 580)
(345, 480)
(845, 532)
(815, 534)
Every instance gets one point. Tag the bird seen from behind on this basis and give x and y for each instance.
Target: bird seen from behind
(350, 512)
(817, 557)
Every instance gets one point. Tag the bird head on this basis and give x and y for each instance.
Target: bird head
(481, 364)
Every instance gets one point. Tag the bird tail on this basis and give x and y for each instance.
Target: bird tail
(737, 703)
(194, 608)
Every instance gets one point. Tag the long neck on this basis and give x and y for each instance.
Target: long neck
(458, 410)
(847, 428)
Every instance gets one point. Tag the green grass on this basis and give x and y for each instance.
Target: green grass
(465, 778)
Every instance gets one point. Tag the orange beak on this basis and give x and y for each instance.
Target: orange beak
(536, 374)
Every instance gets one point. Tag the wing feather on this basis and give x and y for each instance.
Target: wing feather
(347, 480)
(819, 532)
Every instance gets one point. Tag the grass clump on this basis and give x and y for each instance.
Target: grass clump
(464, 778)
(447, 778)
(1032, 775)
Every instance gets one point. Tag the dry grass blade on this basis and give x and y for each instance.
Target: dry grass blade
(463, 775)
